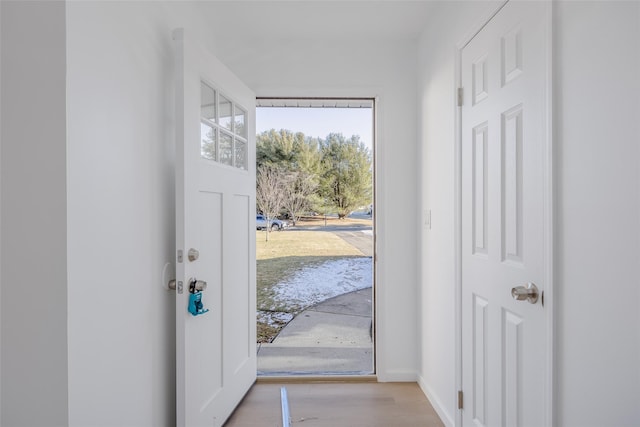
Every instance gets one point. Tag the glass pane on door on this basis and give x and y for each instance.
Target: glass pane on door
(207, 102)
(208, 142)
(226, 113)
(226, 149)
(241, 154)
(240, 122)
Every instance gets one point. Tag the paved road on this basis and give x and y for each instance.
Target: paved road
(362, 240)
(330, 227)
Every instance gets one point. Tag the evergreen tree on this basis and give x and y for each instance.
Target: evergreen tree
(278, 147)
(347, 179)
(330, 175)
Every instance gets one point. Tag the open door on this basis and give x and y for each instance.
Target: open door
(215, 238)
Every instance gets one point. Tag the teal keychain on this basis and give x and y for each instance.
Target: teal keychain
(196, 307)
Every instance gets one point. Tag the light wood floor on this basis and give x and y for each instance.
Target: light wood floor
(350, 404)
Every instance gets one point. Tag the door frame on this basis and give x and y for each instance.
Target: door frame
(376, 309)
(548, 209)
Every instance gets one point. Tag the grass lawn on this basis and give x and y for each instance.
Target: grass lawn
(285, 253)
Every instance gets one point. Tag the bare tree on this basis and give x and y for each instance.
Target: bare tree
(298, 187)
(270, 192)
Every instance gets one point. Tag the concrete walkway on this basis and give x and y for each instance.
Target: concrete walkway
(333, 337)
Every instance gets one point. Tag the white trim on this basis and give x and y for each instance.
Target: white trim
(436, 403)
(548, 220)
(380, 359)
(457, 209)
(376, 273)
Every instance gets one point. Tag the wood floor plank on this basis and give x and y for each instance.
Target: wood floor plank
(337, 405)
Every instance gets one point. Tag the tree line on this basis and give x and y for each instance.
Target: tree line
(297, 174)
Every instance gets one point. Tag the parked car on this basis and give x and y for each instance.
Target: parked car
(273, 223)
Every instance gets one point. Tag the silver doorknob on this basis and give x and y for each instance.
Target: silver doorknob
(528, 292)
(175, 285)
(197, 285)
(193, 254)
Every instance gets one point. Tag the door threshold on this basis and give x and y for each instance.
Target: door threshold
(317, 379)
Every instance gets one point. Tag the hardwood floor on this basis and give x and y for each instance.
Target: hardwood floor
(335, 404)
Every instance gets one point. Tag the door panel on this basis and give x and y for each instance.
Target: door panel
(209, 326)
(479, 353)
(504, 364)
(215, 198)
(238, 349)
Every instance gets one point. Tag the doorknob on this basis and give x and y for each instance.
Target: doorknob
(194, 285)
(175, 286)
(193, 254)
(528, 292)
(197, 286)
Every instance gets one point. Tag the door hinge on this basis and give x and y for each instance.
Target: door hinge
(460, 399)
(460, 96)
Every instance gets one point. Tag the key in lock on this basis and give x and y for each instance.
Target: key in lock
(196, 306)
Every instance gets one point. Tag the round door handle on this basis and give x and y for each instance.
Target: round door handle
(193, 254)
(528, 292)
(197, 285)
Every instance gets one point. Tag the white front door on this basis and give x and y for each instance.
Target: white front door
(504, 138)
(215, 216)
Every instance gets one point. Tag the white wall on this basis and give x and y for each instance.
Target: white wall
(598, 217)
(121, 212)
(303, 67)
(87, 214)
(33, 228)
(598, 209)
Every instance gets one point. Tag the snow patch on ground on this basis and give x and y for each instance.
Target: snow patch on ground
(277, 319)
(314, 284)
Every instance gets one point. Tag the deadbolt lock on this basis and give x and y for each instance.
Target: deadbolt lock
(193, 254)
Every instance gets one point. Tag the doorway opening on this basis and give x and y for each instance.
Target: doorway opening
(315, 236)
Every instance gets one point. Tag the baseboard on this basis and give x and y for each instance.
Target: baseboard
(436, 403)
